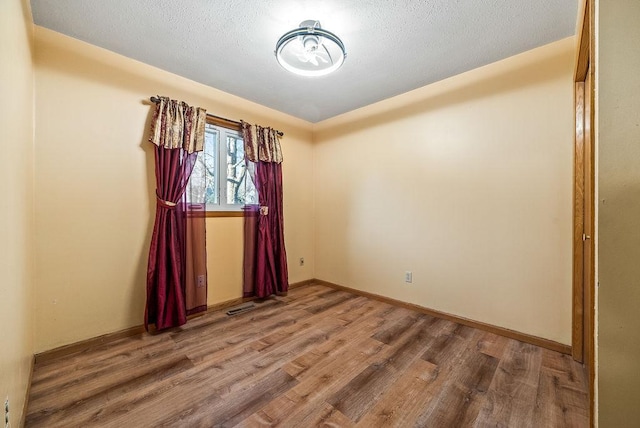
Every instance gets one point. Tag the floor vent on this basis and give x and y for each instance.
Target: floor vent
(241, 309)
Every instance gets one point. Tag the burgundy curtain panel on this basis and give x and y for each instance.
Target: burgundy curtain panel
(196, 254)
(265, 256)
(177, 130)
(251, 213)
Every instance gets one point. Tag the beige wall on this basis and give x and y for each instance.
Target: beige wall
(466, 183)
(618, 130)
(457, 182)
(16, 205)
(94, 181)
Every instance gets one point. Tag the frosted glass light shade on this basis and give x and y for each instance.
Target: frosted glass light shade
(310, 50)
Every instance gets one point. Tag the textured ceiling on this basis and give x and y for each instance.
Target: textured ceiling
(392, 46)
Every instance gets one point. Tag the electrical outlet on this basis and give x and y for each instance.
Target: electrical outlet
(202, 281)
(301, 261)
(408, 277)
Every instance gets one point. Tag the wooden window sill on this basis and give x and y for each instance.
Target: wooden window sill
(224, 214)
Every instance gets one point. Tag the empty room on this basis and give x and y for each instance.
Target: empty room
(320, 213)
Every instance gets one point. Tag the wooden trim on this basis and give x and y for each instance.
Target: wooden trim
(105, 338)
(501, 331)
(88, 343)
(301, 283)
(222, 122)
(589, 287)
(224, 305)
(584, 42)
(583, 332)
(128, 332)
(23, 418)
(224, 214)
(577, 330)
(590, 7)
(229, 124)
(202, 213)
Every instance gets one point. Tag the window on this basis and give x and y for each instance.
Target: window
(220, 177)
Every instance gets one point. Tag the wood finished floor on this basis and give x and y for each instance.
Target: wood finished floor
(317, 357)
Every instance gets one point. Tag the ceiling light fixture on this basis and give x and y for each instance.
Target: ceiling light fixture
(310, 50)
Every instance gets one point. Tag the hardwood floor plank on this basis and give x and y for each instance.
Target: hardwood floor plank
(511, 398)
(405, 399)
(252, 366)
(222, 324)
(395, 329)
(493, 345)
(362, 326)
(153, 398)
(219, 324)
(116, 360)
(318, 383)
(360, 394)
(325, 416)
(249, 332)
(95, 353)
(87, 385)
(273, 413)
(83, 406)
(572, 370)
(558, 404)
(326, 368)
(454, 353)
(326, 303)
(316, 357)
(562, 392)
(303, 292)
(450, 340)
(463, 395)
(297, 323)
(234, 408)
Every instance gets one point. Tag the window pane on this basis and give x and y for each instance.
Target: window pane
(210, 153)
(203, 180)
(240, 187)
(250, 192)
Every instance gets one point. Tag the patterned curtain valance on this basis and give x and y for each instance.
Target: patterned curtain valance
(175, 125)
(261, 144)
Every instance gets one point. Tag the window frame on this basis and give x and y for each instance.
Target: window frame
(222, 208)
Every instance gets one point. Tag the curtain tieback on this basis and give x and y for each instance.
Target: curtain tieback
(264, 210)
(165, 204)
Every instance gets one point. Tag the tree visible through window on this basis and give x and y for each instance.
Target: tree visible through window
(220, 177)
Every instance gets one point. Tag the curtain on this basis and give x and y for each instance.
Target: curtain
(251, 213)
(196, 251)
(265, 256)
(177, 130)
(196, 258)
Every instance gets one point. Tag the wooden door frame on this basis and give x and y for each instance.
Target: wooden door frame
(582, 345)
